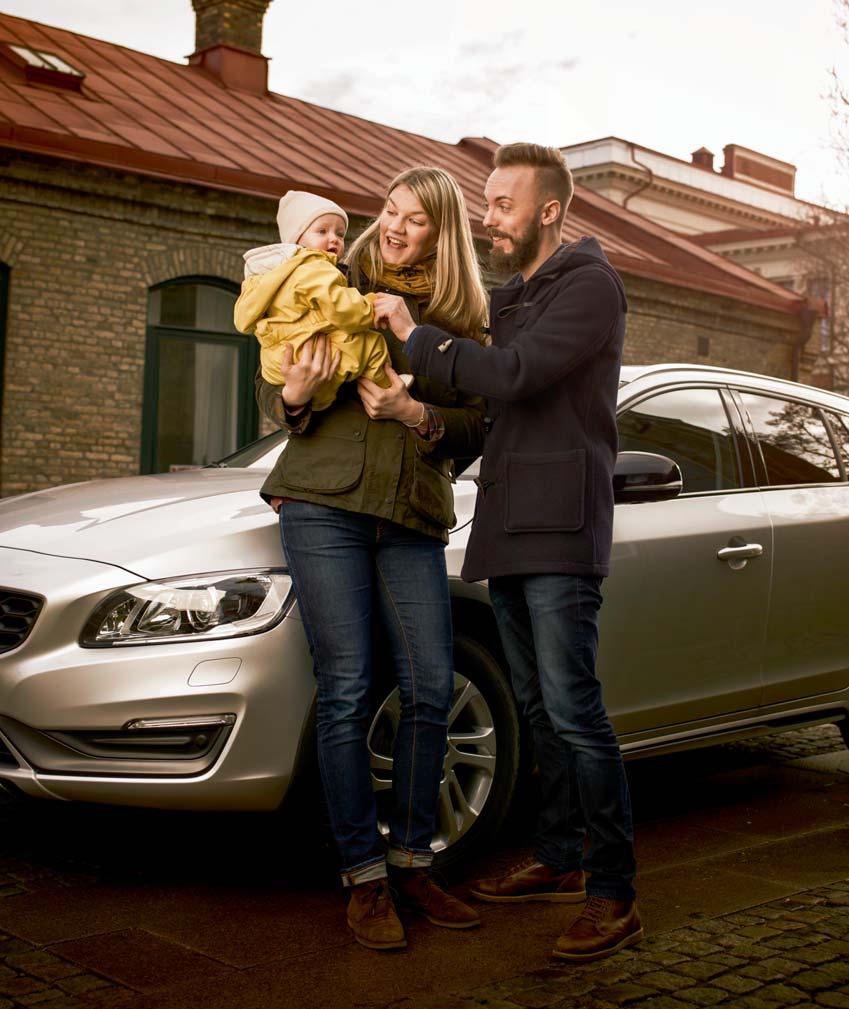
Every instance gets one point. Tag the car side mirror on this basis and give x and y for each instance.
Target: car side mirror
(644, 476)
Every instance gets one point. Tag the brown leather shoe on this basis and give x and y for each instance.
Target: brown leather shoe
(531, 880)
(418, 892)
(603, 927)
(372, 916)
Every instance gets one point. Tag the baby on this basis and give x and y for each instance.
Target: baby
(293, 291)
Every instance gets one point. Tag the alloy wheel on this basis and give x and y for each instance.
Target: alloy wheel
(469, 760)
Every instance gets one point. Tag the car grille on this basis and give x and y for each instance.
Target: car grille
(18, 613)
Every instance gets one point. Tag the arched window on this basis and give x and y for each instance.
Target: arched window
(198, 396)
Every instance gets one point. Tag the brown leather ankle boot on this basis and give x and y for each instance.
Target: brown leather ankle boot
(418, 892)
(603, 927)
(372, 916)
(531, 880)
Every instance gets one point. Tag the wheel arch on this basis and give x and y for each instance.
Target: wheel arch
(472, 613)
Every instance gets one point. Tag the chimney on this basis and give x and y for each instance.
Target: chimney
(759, 169)
(703, 158)
(228, 42)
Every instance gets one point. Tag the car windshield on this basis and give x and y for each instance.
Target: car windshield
(260, 454)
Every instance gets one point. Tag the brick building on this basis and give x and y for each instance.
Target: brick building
(130, 186)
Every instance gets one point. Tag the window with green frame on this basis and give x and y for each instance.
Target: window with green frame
(198, 390)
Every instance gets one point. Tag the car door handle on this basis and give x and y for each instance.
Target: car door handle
(740, 553)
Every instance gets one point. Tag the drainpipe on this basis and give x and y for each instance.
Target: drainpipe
(645, 185)
(807, 317)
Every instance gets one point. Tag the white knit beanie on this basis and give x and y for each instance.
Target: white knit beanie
(296, 212)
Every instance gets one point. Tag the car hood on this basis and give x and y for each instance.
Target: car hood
(155, 526)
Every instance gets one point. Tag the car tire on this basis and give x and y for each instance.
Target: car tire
(482, 758)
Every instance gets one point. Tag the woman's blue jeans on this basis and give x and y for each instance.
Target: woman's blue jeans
(549, 630)
(348, 569)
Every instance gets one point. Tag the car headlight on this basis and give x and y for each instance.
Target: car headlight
(202, 607)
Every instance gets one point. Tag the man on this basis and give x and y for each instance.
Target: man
(543, 528)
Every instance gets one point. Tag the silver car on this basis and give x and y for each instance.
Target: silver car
(151, 651)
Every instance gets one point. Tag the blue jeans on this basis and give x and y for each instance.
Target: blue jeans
(549, 630)
(346, 569)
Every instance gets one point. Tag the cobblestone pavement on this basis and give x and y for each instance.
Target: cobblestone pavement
(32, 977)
(810, 742)
(789, 951)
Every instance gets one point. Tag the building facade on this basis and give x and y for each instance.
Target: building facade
(129, 189)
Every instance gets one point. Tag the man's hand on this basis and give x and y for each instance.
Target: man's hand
(394, 403)
(392, 311)
(302, 378)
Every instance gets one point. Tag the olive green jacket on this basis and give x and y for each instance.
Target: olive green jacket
(343, 459)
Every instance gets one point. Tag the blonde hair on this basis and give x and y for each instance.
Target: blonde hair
(458, 301)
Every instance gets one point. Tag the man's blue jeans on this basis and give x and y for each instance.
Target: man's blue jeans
(549, 630)
(346, 568)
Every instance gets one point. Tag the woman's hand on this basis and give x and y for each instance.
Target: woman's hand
(392, 311)
(394, 403)
(303, 377)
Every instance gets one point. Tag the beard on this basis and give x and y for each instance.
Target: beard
(525, 248)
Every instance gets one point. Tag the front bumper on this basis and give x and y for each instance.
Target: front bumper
(65, 710)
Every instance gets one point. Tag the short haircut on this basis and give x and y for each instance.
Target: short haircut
(554, 180)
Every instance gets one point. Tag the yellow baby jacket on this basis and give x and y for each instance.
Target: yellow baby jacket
(292, 294)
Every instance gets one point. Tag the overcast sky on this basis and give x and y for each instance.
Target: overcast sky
(669, 75)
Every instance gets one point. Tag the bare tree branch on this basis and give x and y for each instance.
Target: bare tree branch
(824, 239)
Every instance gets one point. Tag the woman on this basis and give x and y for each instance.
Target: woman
(365, 504)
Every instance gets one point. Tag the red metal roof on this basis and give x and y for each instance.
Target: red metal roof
(140, 113)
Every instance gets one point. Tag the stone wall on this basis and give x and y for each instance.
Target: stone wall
(677, 325)
(84, 245)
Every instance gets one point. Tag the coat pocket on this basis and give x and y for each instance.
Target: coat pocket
(324, 463)
(431, 495)
(545, 492)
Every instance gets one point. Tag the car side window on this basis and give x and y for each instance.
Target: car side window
(691, 427)
(794, 441)
(839, 424)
